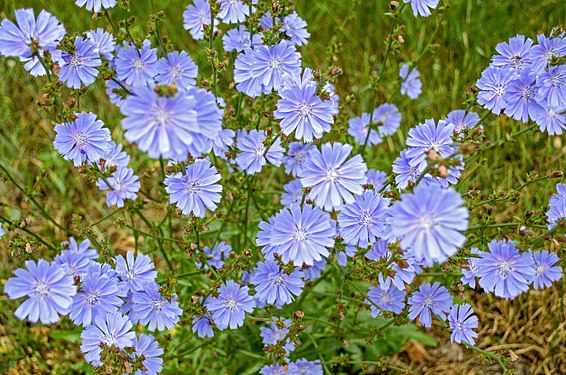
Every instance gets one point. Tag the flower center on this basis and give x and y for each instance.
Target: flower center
(92, 298)
(504, 269)
(41, 288)
(176, 72)
(259, 149)
(301, 235)
(75, 61)
(331, 175)
(161, 116)
(429, 301)
(231, 303)
(279, 335)
(527, 93)
(80, 138)
(274, 63)
(158, 305)
(558, 80)
(541, 268)
(385, 299)
(426, 222)
(305, 109)
(138, 64)
(110, 340)
(193, 187)
(365, 218)
(279, 279)
(552, 113)
(499, 90)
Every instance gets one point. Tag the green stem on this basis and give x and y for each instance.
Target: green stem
(35, 235)
(488, 354)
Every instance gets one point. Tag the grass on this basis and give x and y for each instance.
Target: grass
(464, 41)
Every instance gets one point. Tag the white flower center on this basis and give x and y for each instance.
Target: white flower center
(279, 279)
(275, 63)
(75, 61)
(110, 340)
(541, 268)
(193, 187)
(426, 222)
(92, 298)
(158, 304)
(552, 113)
(504, 268)
(429, 301)
(385, 299)
(41, 288)
(162, 116)
(138, 64)
(365, 218)
(231, 303)
(259, 149)
(301, 235)
(80, 138)
(331, 175)
(305, 109)
(499, 90)
(176, 72)
(279, 335)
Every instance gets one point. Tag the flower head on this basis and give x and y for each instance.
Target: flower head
(296, 28)
(428, 300)
(83, 139)
(333, 179)
(411, 85)
(153, 310)
(136, 67)
(234, 11)
(542, 53)
(239, 39)
(546, 270)
(135, 272)
(430, 136)
(196, 16)
(275, 286)
(504, 270)
(147, 349)
(429, 222)
(103, 42)
(116, 157)
(196, 189)
(98, 295)
(272, 370)
(493, 85)
(254, 154)
(362, 221)
(469, 275)
(273, 335)
(74, 263)
(96, 5)
(293, 193)
(168, 125)
(514, 54)
(271, 63)
(302, 236)
(386, 296)
(462, 323)
(231, 305)
(202, 325)
(302, 111)
(177, 68)
(388, 117)
(296, 157)
(422, 7)
(112, 330)
(551, 119)
(83, 248)
(215, 256)
(552, 86)
(49, 289)
(44, 34)
(520, 97)
(377, 179)
(557, 205)
(246, 81)
(358, 128)
(80, 66)
(305, 367)
(405, 172)
(462, 120)
(122, 185)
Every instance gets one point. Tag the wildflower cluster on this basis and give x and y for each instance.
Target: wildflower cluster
(237, 254)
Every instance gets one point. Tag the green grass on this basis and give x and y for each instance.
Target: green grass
(466, 37)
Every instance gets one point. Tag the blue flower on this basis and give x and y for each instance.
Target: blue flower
(2, 232)
(45, 33)
(196, 16)
(196, 189)
(388, 117)
(296, 28)
(82, 139)
(377, 179)
(271, 63)
(430, 136)
(153, 310)
(293, 193)
(514, 55)
(272, 370)
(302, 236)
(358, 128)
(239, 39)
(96, 5)
(549, 118)
(332, 179)
(234, 11)
(493, 85)
(215, 257)
(275, 286)
(202, 325)
(462, 323)
(462, 120)
(386, 296)
(74, 263)
(520, 97)
(546, 269)
(167, 125)
(403, 275)
(222, 142)
(552, 86)
(177, 68)
(429, 222)
(264, 238)
(99, 294)
(469, 275)
(342, 256)
(116, 93)
(231, 305)
(422, 7)
(116, 157)
(557, 206)
(136, 67)
(405, 173)
(112, 330)
(135, 272)
(103, 42)
(305, 367)
(428, 300)
(122, 185)
(313, 272)
(296, 157)
(363, 220)
(246, 81)
(147, 349)
(547, 49)
(302, 111)
(411, 84)
(49, 290)
(273, 335)
(254, 154)
(80, 66)
(504, 270)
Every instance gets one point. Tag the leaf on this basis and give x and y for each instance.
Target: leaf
(73, 337)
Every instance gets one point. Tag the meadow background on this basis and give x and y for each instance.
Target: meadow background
(533, 326)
